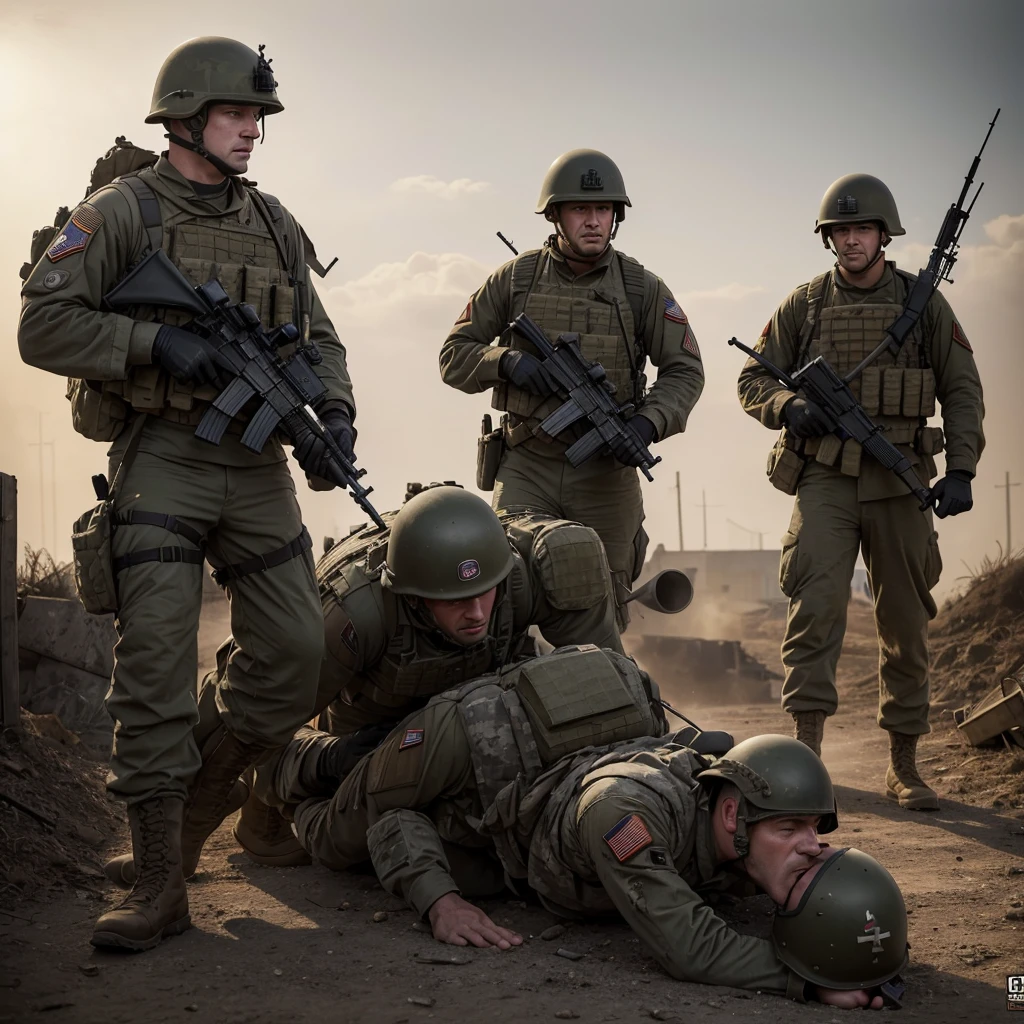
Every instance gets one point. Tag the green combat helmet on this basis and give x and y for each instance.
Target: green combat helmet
(447, 544)
(849, 929)
(205, 70)
(584, 175)
(854, 199)
(777, 776)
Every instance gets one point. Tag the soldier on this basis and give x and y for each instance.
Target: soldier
(623, 313)
(845, 503)
(447, 594)
(449, 804)
(147, 382)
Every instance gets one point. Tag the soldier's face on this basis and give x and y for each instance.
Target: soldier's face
(230, 132)
(856, 244)
(588, 226)
(463, 621)
(781, 850)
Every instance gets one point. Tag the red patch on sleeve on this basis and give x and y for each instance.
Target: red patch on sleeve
(767, 328)
(960, 338)
(466, 315)
(690, 343)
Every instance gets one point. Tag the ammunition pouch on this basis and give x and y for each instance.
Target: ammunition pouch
(786, 463)
(898, 391)
(96, 413)
(490, 446)
(929, 440)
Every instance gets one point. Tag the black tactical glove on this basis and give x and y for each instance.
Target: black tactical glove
(311, 450)
(640, 434)
(339, 757)
(185, 356)
(953, 494)
(805, 419)
(527, 372)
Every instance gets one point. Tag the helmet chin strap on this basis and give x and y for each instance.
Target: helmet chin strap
(878, 255)
(195, 125)
(583, 257)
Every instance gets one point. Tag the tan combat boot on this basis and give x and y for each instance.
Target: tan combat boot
(157, 906)
(266, 836)
(810, 728)
(215, 793)
(902, 781)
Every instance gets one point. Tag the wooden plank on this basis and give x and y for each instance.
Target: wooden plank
(9, 686)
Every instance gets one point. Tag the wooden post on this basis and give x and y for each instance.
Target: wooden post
(10, 696)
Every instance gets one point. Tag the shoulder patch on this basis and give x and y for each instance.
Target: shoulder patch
(466, 315)
(76, 234)
(628, 837)
(674, 312)
(412, 738)
(690, 342)
(959, 337)
(767, 328)
(349, 638)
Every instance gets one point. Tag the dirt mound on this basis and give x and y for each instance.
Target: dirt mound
(978, 637)
(56, 824)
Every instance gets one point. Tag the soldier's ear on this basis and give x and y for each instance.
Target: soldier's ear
(728, 808)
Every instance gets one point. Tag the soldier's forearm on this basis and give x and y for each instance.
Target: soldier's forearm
(672, 397)
(763, 397)
(470, 366)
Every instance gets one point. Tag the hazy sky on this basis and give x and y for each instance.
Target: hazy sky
(413, 131)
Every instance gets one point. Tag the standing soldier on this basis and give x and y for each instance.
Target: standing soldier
(844, 502)
(146, 383)
(623, 314)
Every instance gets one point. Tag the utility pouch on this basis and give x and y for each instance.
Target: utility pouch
(92, 534)
(489, 448)
(96, 414)
(785, 464)
(929, 441)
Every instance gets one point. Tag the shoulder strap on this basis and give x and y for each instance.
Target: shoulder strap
(149, 208)
(633, 279)
(815, 299)
(270, 210)
(525, 270)
(128, 457)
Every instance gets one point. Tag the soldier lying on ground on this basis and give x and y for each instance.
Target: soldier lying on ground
(450, 807)
(447, 594)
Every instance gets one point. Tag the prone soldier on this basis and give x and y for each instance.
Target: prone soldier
(624, 315)
(144, 382)
(845, 503)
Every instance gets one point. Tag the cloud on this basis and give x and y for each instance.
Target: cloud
(427, 184)
(731, 292)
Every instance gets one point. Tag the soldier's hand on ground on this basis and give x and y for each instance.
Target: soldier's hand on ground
(952, 494)
(854, 999)
(629, 450)
(340, 757)
(527, 372)
(185, 356)
(459, 923)
(805, 418)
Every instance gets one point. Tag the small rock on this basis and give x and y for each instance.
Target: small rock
(1015, 915)
(959, 858)
(553, 932)
(420, 926)
(569, 954)
(567, 1015)
(88, 834)
(192, 1007)
(381, 915)
(420, 1000)
(278, 972)
(715, 1005)
(89, 970)
(660, 1014)
(345, 905)
(1015, 869)
(442, 961)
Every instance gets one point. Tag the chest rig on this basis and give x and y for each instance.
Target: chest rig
(897, 392)
(604, 314)
(244, 249)
(403, 659)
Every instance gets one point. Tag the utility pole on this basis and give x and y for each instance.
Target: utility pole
(704, 506)
(1007, 485)
(679, 509)
(42, 484)
(752, 533)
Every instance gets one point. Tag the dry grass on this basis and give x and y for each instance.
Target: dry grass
(40, 576)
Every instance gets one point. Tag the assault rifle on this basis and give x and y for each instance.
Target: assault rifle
(847, 419)
(940, 265)
(588, 395)
(289, 388)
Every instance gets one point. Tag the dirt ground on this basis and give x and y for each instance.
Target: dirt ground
(275, 945)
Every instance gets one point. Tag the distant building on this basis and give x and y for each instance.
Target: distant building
(726, 577)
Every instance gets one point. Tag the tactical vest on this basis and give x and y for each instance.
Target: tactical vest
(400, 657)
(897, 392)
(602, 316)
(247, 254)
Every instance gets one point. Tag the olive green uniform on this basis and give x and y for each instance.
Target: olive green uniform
(434, 823)
(384, 657)
(846, 502)
(225, 501)
(624, 315)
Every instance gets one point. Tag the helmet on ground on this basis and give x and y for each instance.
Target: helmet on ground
(212, 69)
(777, 776)
(849, 929)
(854, 199)
(584, 175)
(448, 544)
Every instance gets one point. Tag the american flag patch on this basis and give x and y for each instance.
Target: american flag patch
(76, 234)
(628, 837)
(674, 312)
(412, 738)
(960, 338)
(690, 343)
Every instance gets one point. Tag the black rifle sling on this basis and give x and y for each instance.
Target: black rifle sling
(149, 208)
(270, 210)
